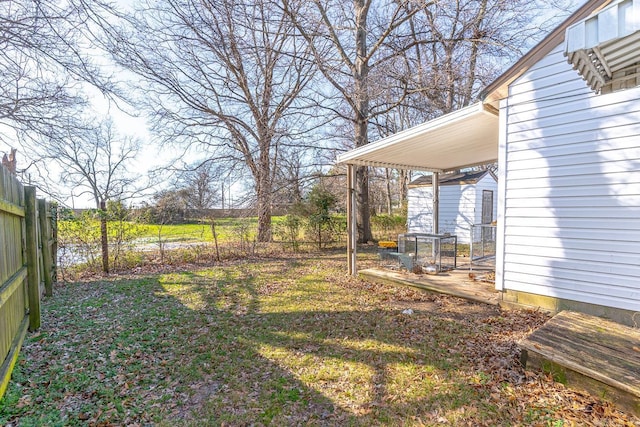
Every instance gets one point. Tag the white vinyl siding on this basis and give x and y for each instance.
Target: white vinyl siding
(572, 188)
(419, 210)
(460, 206)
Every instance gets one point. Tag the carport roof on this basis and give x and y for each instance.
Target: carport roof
(466, 137)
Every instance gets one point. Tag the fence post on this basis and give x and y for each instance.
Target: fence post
(53, 217)
(45, 239)
(33, 279)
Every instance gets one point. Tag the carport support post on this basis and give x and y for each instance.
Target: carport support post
(351, 220)
(436, 202)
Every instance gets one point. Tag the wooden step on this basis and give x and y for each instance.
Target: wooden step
(590, 353)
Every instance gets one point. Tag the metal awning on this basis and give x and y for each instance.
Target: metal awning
(605, 47)
(466, 137)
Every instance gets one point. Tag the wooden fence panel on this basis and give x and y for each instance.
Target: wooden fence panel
(13, 275)
(27, 245)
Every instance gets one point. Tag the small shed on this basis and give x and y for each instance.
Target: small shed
(466, 198)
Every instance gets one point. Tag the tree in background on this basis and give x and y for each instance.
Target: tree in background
(468, 45)
(196, 190)
(95, 161)
(349, 41)
(227, 76)
(200, 187)
(425, 57)
(168, 207)
(319, 203)
(43, 69)
(316, 209)
(294, 178)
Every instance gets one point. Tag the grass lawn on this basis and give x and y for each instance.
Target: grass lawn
(289, 341)
(226, 229)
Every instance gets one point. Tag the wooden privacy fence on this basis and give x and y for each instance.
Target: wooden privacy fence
(27, 266)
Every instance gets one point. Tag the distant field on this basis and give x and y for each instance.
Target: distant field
(226, 229)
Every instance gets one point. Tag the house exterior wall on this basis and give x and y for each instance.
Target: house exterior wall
(569, 224)
(460, 206)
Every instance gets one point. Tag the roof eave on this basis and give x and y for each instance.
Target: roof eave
(499, 88)
(467, 181)
(361, 155)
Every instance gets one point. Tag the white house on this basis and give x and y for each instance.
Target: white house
(466, 198)
(567, 143)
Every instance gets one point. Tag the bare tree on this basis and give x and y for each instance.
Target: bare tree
(457, 48)
(95, 161)
(297, 173)
(42, 68)
(201, 186)
(350, 40)
(345, 46)
(429, 56)
(222, 75)
(470, 43)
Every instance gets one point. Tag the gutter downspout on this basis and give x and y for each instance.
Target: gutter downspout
(502, 193)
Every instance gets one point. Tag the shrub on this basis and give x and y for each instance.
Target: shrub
(79, 238)
(388, 226)
(288, 231)
(316, 210)
(244, 236)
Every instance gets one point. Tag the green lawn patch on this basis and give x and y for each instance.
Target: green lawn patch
(280, 342)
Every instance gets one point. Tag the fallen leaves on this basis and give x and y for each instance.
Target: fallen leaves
(285, 342)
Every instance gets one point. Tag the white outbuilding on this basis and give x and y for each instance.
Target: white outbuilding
(466, 198)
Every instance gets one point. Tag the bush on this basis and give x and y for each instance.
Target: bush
(316, 210)
(122, 234)
(387, 227)
(79, 238)
(288, 231)
(244, 232)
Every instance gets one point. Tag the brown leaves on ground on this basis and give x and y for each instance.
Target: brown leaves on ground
(282, 342)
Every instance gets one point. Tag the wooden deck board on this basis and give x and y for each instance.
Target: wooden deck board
(595, 348)
(455, 283)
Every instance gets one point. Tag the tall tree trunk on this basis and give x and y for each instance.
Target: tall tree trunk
(363, 216)
(263, 190)
(387, 176)
(264, 219)
(473, 57)
(104, 240)
(361, 75)
(403, 182)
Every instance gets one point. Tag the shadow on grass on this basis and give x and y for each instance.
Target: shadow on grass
(224, 346)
